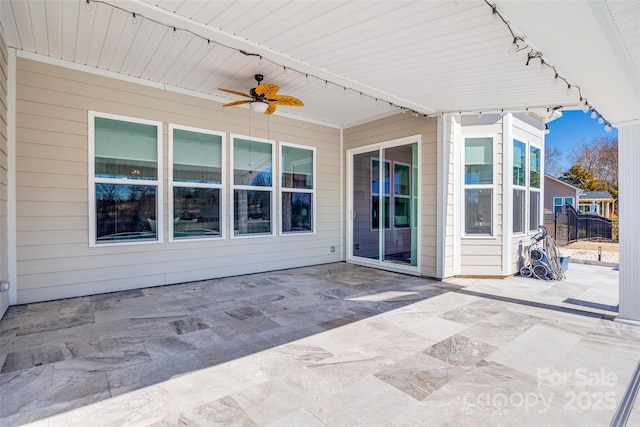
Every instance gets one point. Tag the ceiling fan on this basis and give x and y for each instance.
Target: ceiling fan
(264, 97)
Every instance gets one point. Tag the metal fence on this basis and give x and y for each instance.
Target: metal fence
(570, 225)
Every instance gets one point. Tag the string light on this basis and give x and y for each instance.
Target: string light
(518, 44)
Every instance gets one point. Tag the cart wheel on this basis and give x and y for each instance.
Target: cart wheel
(540, 272)
(526, 271)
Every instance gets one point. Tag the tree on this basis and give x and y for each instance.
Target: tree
(600, 157)
(583, 179)
(552, 158)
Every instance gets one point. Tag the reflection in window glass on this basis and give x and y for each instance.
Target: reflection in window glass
(197, 157)
(401, 184)
(196, 212)
(519, 163)
(375, 212)
(534, 168)
(375, 176)
(125, 212)
(519, 211)
(252, 212)
(534, 210)
(478, 160)
(125, 149)
(296, 212)
(252, 163)
(297, 167)
(478, 211)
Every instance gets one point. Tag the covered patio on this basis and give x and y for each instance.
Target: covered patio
(335, 344)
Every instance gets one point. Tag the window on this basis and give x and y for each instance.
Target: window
(196, 173)
(376, 191)
(478, 186)
(519, 186)
(557, 204)
(252, 161)
(534, 187)
(124, 179)
(401, 195)
(297, 188)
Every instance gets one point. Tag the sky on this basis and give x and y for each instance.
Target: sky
(571, 129)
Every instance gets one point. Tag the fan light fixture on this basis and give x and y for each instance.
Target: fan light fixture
(258, 106)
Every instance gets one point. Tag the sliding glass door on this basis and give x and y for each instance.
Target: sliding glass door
(384, 205)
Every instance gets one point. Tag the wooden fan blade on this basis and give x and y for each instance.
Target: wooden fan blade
(268, 91)
(231, 104)
(271, 109)
(235, 92)
(286, 100)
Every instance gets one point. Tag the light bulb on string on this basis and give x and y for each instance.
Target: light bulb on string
(174, 33)
(514, 46)
(87, 6)
(556, 79)
(607, 128)
(600, 120)
(209, 44)
(134, 18)
(546, 129)
(593, 114)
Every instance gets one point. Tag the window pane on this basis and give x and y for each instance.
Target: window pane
(557, 201)
(375, 212)
(375, 176)
(297, 167)
(125, 212)
(518, 211)
(478, 160)
(478, 211)
(296, 212)
(519, 163)
(401, 213)
(568, 201)
(252, 212)
(196, 212)
(125, 149)
(252, 163)
(534, 168)
(197, 157)
(401, 185)
(534, 210)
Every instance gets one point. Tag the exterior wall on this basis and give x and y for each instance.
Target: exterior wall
(399, 126)
(54, 259)
(553, 188)
(628, 160)
(4, 229)
(483, 256)
(525, 129)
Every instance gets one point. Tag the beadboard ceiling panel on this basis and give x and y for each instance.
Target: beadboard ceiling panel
(350, 61)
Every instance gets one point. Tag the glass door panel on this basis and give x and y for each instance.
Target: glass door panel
(400, 241)
(366, 205)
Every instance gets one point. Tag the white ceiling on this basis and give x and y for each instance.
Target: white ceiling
(427, 56)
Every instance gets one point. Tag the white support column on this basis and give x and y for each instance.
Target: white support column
(629, 213)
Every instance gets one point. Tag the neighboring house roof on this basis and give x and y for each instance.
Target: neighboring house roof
(561, 182)
(595, 195)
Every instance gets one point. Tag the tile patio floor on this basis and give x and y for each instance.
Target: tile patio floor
(334, 345)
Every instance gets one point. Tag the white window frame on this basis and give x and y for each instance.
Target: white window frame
(514, 187)
(392, 191)
(530, 230)
(220, 186)
(283, 189)
(382, 193)
(271, 189)
(493, 187)
(158, 183)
